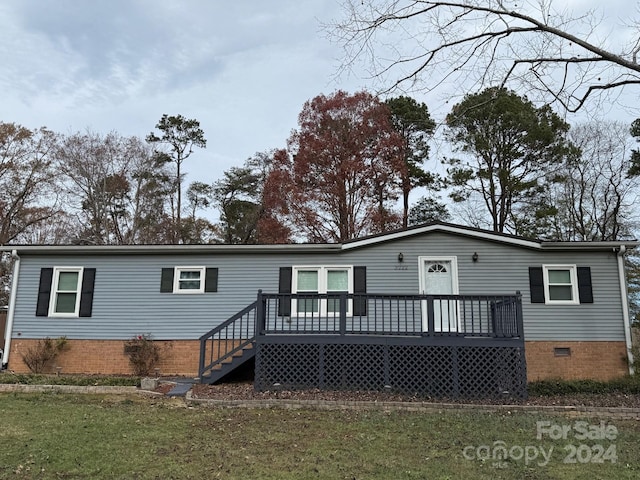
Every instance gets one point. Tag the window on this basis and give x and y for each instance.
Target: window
(560, 284)
(337, 282)
(307, 282)
(188, 280)
(65, 292)
(320, 280)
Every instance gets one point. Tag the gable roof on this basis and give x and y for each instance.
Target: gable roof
(425, 229)
(487, 235)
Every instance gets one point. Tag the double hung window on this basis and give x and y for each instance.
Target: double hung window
(321, 280)
(189, 280)
(560, 284)
(65, 292)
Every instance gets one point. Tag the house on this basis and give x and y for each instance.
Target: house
(438, 308)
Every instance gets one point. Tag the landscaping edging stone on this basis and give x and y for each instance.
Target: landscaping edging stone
(92, 389)
(623, 413)
(424, 407)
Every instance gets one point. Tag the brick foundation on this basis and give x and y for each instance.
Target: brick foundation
(107, 357)
(587, 360)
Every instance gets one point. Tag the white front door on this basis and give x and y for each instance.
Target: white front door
(439, 276)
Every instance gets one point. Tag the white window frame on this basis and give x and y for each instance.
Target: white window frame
(322, 288)
(54, 291)
(176, 280)
(573, 274)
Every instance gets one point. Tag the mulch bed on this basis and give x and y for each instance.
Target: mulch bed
(245, 391)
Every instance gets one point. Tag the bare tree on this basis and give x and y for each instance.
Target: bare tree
(116, 189)
(592, 194)
(59, 230)
(564, 56)
(28, 196)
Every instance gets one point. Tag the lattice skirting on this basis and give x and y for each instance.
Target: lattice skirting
(425, 370)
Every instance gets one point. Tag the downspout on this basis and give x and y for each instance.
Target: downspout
(625, 305)
(12, 308)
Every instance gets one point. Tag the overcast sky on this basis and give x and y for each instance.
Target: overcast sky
(243, 68)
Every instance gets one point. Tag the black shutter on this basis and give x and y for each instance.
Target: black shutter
(211, 280)
(44, 292)
(166, 281)
(585, 291)
(86, 292)
(359, 288)
(284, 287)
(536, 284)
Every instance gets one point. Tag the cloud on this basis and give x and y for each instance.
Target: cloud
(243, 69)
(114, 49)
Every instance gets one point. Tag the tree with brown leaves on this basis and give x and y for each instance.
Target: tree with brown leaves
(342, 172)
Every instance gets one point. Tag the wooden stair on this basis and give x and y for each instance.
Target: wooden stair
(229, 364)
(228, 346)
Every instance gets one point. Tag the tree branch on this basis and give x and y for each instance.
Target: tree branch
(461, 38)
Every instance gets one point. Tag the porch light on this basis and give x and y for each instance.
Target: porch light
(474, 257)
(400, 257)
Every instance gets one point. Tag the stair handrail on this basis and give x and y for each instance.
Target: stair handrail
(211, 334)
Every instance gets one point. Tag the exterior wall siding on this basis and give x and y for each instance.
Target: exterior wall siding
(128, 302)
(503, 269)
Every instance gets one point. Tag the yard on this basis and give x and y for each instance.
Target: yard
(87, 436)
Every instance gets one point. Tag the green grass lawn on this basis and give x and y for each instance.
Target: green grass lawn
(82, 436)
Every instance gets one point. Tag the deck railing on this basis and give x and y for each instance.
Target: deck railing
(489, 316)
(228, 338)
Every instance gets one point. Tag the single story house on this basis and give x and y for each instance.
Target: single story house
(436, 308)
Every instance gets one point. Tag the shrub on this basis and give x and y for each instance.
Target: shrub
(626, 385)
(143, 353)
(78, 380)
(635, 351)
(42, 354)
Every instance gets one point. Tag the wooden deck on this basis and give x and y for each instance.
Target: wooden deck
(442, 345)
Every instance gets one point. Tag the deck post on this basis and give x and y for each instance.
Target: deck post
(430, 316)
(203, 343)
(260, 314)
(519, 316)
(343, 314)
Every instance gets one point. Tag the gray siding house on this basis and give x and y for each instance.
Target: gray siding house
(437, 308)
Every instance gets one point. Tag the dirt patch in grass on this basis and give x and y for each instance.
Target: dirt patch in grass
(165, 387)
(245, 391)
